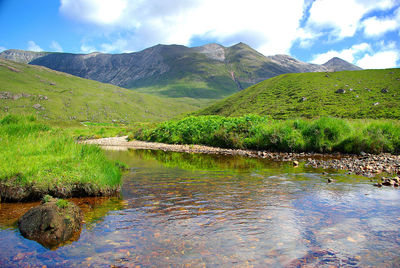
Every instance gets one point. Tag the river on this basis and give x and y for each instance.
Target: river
(197, 210)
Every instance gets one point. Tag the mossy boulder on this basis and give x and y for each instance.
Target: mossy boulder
(52, 222)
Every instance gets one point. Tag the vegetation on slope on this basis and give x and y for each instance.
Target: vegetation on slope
(325, 135)
(349, 94)
(27, 89)
(37, 159)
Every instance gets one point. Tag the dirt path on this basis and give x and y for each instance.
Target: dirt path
(368, 165)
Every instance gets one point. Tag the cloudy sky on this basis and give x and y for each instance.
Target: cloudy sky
(364, 32)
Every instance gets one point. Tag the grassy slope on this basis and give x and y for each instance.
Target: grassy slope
(281, 97)
(74, 98)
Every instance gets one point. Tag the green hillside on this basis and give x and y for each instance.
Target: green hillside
(28, 89)
(352, 94)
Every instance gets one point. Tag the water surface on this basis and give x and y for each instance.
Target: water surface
(184, 210)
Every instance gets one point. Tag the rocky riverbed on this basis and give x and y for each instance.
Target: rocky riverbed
(369, 165)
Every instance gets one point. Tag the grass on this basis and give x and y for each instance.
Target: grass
(63, 97)
(62, 203)
(325, 135)
(37, 159)
(368, 94)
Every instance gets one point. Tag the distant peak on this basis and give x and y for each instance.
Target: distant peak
(338, 64)
(212, 45)
(241, 44)
(213, 51)
(335, 59)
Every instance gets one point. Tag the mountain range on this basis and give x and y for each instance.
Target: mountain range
(211, 71)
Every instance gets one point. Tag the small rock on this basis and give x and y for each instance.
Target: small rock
(376, 103)
(295, 163)
(384, 90)
(37, 106)
(330, 180)
(340, 91)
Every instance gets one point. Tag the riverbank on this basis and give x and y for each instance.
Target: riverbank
(368, 165)
(37, 159)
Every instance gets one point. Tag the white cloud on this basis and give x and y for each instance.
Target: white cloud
(380, 60)
(32, 46)
(118, 46)
(346, 54)
(55, 46)
(87, 49)
(97, 11)
(2, 49)
(342, 18)
(383, 55)
(375, 26)
(387, 56)
(269, 26)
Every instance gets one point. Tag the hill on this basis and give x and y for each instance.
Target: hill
(211, 71)
(27, 89)
(352, 94)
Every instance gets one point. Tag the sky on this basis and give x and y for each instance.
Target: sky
(363, 32)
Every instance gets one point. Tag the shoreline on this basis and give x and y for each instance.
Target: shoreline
(367, 165)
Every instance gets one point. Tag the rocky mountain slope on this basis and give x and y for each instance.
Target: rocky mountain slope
(22, 56)
(211, 71)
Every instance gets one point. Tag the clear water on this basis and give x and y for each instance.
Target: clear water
(188, 210)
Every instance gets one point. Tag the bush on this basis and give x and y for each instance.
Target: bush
(324, 135)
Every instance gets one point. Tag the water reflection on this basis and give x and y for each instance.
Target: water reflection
(207, 210)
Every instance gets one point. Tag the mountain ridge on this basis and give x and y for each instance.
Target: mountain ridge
(211, 71)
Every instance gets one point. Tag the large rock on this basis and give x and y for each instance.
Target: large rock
(51, 223)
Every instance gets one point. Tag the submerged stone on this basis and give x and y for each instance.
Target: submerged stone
(51, 223)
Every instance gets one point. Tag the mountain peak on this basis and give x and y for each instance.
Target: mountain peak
(241, 45)
(337, 64)
(213, 51)
(22, 56)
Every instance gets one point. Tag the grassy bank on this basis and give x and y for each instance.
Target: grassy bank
(37, 159)
(325, 135)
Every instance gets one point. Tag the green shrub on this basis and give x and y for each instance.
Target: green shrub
(325, 134)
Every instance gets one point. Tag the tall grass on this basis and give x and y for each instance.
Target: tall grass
(37, 155)
(325, 135)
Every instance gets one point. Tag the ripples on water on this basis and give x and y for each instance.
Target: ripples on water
(201, 210)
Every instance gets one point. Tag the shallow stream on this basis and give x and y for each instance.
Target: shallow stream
(195, 210)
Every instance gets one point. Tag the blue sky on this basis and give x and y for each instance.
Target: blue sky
(364, 32)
